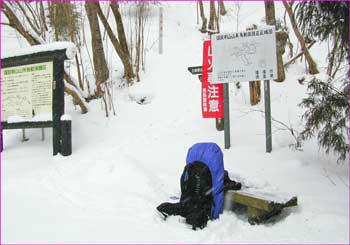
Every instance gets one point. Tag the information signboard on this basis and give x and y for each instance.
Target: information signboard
(244, 56)
(26, 90)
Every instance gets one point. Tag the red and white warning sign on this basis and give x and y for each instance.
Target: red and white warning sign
(212, 94)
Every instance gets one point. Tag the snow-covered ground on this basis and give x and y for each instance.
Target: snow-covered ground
(123, 166)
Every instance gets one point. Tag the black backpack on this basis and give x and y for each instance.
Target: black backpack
(197, 202)
(196, 188)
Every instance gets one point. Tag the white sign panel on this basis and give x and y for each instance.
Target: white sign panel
(26, 90)
(244, 56)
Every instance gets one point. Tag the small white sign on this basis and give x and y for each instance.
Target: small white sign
(244, 56)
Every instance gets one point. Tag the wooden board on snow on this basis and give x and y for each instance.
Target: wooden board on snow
(261, 205)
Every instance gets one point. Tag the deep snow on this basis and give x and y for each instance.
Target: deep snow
(123, 166)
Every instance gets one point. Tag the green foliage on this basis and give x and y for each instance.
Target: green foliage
(327, 115)
(326, 21)
(323, 19)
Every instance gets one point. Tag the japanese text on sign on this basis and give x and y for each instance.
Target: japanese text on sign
(245, 56)
(26, 90)
(212, 94)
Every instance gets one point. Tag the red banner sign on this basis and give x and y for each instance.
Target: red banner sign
(212, 94)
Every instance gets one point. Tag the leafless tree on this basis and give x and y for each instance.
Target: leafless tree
(281, 38)
(204, 19)
(100, 65)
(117, 40)
(312, 64)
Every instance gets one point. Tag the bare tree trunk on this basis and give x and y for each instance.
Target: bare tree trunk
(217, 20)
(238, 9)
(76, 99)
(312, 65)
(16, 24)
(120, 26)
(254, 86)
(124, 57)
(33, 24)
(73, 36)
(222, 8)
(138, 26)
(100, 64)
(338, 65)
(280, 39)
(255, 92)
(211, 25)
(204, 20)
(298, 55)
(332, 57)
(44, 28)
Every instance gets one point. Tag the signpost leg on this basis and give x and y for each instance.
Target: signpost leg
(66, 147)
(42, 134)
(24, 138)
(1, 142)
(268, 134)
(227, 116)
(160, 41)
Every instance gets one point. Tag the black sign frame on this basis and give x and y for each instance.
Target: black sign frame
(57, 57)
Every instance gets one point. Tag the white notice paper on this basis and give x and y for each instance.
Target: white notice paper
(26, 90)
(244, 56)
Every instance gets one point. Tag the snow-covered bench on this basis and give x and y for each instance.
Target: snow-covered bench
(261, 206)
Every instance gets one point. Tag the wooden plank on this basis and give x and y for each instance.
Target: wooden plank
(261, 200)
(257, 216)
(260, 205)
(251, 201)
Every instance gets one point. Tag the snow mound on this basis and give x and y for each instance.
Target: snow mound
(141, 94)
(68, 46)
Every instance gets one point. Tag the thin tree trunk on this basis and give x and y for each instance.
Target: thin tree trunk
(217, 19)
(298, 55)
(312, 65)
(99, 60)
(35, 17)
(124, 57)
(44, 28)
(222, 8)
(16, 24)
(204, 20)
(332, 57)
(254, 86)
(138, 42)
(76, 99)
(339, 63)
(120, 26)
(280, 39)
(255, 92)
(29, 21)
(81, 84)
(73, 37)
(211, 25)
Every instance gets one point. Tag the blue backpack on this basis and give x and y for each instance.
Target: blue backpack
(211, 155)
